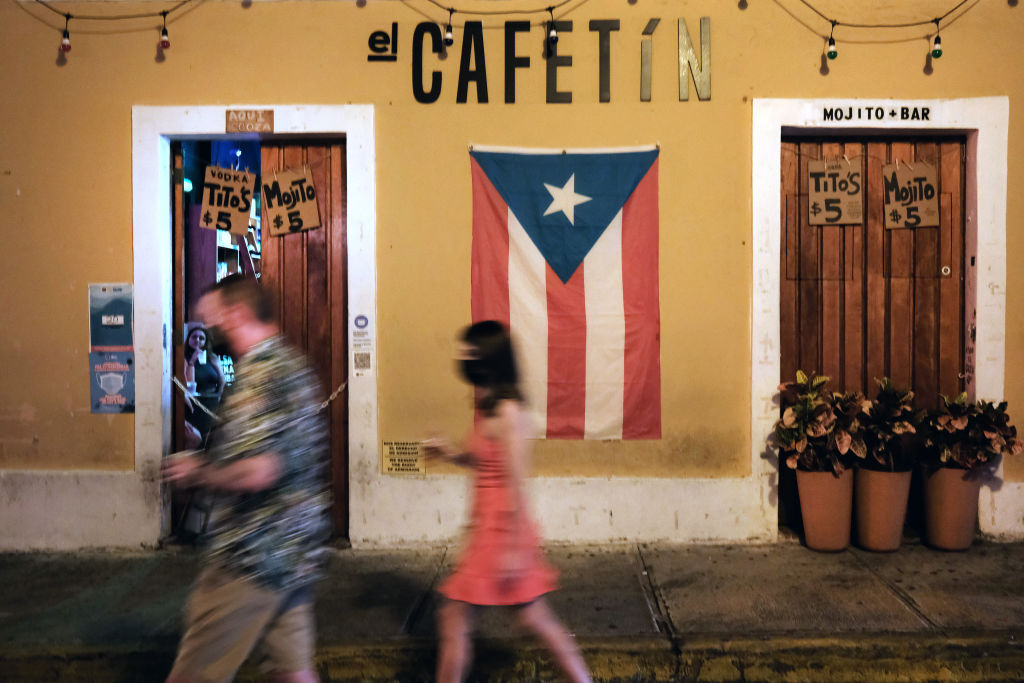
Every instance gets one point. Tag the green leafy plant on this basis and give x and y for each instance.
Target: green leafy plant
(848, 435)
(806, 434)
(969, 435)
(891, 421)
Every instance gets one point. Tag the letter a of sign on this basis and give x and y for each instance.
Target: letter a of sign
(289, 202)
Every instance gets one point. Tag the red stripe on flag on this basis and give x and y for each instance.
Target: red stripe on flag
(641, 410)
(489, 278)
(567, 356)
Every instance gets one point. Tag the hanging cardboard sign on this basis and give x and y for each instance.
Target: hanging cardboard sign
(227, 199)
(249, 121)
(289, 202)
(910, 195)
(834, 192)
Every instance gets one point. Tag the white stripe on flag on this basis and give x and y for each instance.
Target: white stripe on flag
(606, 335)
(528, 318)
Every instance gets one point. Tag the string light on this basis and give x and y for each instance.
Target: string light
(936, 50)
(449, 40)
(65, 39)
(552, 34)
(165, 41)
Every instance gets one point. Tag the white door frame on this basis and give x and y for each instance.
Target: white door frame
(985, 122)
(153, 129)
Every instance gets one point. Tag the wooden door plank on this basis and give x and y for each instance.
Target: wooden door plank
(831, 279)
(293, 282)
(337, 251)
(271, 254)
(950, 303)
(809, 307)
(876, 295)
(179, 312)
(853, 289)
(318, 339)
(926, 298)
(790, 266)
(901, 291)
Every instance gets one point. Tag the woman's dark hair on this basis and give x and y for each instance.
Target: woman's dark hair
(494, 367)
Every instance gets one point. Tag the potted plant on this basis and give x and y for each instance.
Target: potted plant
(963, 441)
(884, 471)
(808, 442)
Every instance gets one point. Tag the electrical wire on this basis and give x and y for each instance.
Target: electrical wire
(836, 22)
(491, 13)
(113, 17)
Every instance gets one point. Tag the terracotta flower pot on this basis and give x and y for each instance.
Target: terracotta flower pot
(881, 508)
(826, 505)
(951, 508)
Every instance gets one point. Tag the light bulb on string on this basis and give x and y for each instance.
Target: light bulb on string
(937, 42)
(832, 52)
(165, 41)
(449, 40)
(65, 39)
(552, 33)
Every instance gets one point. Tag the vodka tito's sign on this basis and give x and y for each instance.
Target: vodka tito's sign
(428, 47)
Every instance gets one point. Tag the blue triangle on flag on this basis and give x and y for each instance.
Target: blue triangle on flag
(545, 191)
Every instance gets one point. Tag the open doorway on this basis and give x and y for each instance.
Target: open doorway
(305, 270)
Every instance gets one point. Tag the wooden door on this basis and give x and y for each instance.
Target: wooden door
(307, 271)
(860, 302)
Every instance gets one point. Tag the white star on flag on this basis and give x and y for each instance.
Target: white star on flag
(565, 199)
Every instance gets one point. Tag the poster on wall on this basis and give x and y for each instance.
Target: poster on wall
(227, 200)
(910, 196)
(289, 202)
(834, 193)
(112, 382)
(111, 349)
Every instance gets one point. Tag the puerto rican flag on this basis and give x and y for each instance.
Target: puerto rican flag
(565, 252)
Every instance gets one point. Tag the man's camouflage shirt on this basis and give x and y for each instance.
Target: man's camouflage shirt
(277, 535)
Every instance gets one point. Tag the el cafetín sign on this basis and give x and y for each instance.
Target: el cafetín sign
(427, 46)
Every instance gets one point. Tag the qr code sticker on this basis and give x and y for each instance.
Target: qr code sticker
(362, 361)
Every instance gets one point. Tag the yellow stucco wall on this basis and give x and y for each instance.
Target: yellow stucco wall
(65, 185)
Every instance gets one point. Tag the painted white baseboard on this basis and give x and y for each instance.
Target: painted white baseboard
(44, 510)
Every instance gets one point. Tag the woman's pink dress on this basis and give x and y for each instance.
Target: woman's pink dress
(477, 578)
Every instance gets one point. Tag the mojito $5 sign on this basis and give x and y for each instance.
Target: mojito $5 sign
(834, 193)
(910, 195)
(289, 202)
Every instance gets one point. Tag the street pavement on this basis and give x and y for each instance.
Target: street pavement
(640, 612)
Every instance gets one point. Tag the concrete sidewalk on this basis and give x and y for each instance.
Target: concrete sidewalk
(640, 613)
